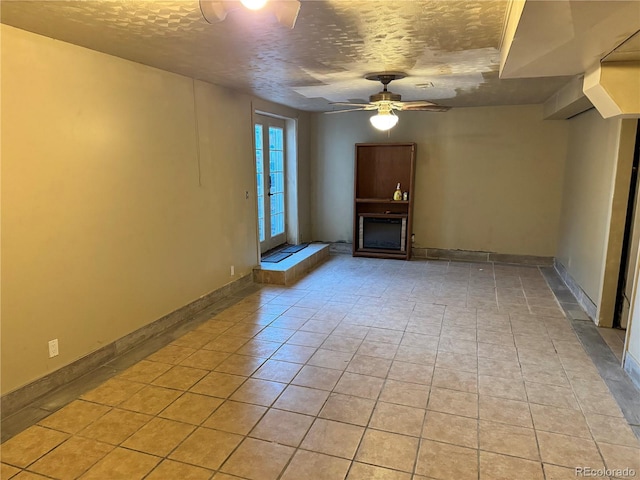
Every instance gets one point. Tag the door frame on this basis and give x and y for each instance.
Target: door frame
(291, 168)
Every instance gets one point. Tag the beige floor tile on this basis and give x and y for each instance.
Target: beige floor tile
(447, 462)
(259, 348)
(74, 417)
(113, 392)
(122, 464)
(151, 400)
(543, 374)
(294, 353)
(618, 457)
(455, 361)
(205, 359)
(206, 448)
(509, 440)
(384, 335)
(422, 356)
(72, 458)
(559, 420)
(613, 430)
(599, 403)
(191, 408)
(568, 451)
(286, 428)
(362, 471)
(317, 377)
(454, 345)
(359, 385)
(273, 334)
(411, 372)
(498, 352)
(462, 333)
(317, 466)
(502, 387)
(7, 471)
(503, 410)
(235, 417)
(31, 444)
(333, 438)
(180, 378)
(307, 339)
(495, 337)
(370, 348)
(240, 365)
(194, 339)
(259, 392)
(304, 400)
(455, 380)
(25, 475)
(172, 354)
(330, 359)
(502, 467)
(339, 343)
(453, 402)
(405, 393)
(373, 366)
(494, 367)
(246, 330)
(389, 450)
(554, 395)
(144, 371)
(348, 409)
(158, 437)
(115, 426)
(169, 469)
(277, 371)
(225, 343)
(258, 460)
(397, 418)
(453, 429)
(218, 384)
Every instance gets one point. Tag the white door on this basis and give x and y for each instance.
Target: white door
(270, 180)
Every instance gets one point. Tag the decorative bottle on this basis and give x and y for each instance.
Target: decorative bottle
(397, 195)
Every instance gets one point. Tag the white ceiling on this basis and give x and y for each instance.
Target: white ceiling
(449, 49)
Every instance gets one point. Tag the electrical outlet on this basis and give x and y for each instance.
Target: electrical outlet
(233, 270)
(53, 348)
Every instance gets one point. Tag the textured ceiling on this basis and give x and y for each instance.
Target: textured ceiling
(449, 49)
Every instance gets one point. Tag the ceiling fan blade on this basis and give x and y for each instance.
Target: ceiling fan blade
(347, 110)
(350, 104)
(419, 103)
(424, 108)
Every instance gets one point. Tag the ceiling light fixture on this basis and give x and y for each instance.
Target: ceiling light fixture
(385, 119)
(253, 4)
(285, 11)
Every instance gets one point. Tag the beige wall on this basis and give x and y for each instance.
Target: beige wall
(118, 207)
(594, 204)
(487, 179)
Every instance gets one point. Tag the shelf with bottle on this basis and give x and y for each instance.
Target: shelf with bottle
(381, 200)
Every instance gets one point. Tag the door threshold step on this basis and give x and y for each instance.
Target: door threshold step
(291, 269)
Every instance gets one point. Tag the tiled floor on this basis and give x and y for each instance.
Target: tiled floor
(365, 370)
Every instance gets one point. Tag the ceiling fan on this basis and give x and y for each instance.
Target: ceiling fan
(385, 102)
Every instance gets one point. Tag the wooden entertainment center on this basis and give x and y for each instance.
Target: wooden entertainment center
(382, 226)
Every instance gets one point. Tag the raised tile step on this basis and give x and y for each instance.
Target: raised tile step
(291, 269)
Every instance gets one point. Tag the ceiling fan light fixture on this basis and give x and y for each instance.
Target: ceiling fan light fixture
(253, 4)
(384, 121)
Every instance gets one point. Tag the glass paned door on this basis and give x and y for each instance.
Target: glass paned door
(270, 181)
